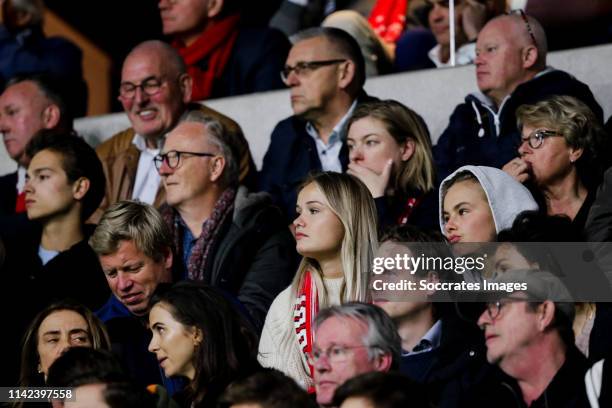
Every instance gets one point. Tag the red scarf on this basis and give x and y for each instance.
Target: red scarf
(410, 205)
(388, 19)
(304, 312)
(207, 57)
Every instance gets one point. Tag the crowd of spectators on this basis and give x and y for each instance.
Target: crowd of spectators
(162, 269)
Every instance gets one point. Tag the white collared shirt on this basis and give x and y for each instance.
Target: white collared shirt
(147, 178)
(464, 55)
(329, 154)
(21, 179)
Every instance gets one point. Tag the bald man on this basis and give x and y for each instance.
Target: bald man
(511, 71)
(155, 91)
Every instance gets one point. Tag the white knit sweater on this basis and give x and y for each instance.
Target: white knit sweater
(278, 346)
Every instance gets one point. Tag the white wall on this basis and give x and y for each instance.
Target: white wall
(432, 93)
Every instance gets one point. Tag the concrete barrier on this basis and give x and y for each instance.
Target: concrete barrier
(432, 93)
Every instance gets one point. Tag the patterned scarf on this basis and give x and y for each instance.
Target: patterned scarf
(207, 57)
(388, 19)
(305, 310)
(210, 230)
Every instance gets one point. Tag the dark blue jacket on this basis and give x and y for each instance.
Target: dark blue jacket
(31, 52)
(480, 135)
(291, 156)
(257, 58)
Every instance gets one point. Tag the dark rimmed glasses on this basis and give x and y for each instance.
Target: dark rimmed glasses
(150, 87)
(173, 158)
(536, 138)
(304, 67)
(494, 308)
(527, 25)
(335, 354)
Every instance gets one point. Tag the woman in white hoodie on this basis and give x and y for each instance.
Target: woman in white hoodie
(477, 202)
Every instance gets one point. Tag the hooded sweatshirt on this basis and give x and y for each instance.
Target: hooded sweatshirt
(507, 197)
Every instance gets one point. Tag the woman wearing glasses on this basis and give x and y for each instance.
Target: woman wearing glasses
(335, 232)
(560, 156)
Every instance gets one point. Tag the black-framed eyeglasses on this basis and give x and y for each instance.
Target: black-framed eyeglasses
(527, 25)
(494, 308)
(536, 138)
(304, 67)
(335, 354)
(150, 86)
(173, 158)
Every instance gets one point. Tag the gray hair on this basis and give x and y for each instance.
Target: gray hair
(343, 43)
(223, 139)
(35, 8)
(132, 221)
(382, 336)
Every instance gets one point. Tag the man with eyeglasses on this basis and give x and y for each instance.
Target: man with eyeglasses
(351, 339)
(155, 91)
(529, 336)
(325, 73)
(511, 71)
(223, 235)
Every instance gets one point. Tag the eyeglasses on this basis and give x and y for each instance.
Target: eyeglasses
(335, 354)
(303, 67)
(526, 21)
(173, 158)
(536, 138)
(494, 308)
(150, 87)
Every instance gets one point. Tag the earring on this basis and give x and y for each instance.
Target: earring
(39, 369)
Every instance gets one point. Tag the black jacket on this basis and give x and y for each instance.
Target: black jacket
(566, 390)
(291, 156)
(254, 255)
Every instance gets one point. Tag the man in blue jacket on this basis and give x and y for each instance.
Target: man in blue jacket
(510, 71)
(325, 73)
(135, 250)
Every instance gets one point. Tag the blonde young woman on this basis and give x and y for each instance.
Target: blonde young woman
(390, 151)
(335, 232)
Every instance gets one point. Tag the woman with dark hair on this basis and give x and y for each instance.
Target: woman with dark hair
(199, 335)
(390, 152)
(59, 326)
(560, 156)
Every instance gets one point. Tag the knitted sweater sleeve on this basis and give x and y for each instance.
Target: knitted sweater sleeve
(278, 347)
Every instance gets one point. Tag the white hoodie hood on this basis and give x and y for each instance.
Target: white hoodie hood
(507, 197)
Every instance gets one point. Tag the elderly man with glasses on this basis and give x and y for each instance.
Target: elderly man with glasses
(511, 71)
(223, 235)
(325, 73)
(529, 337)
(155, 91)
(351, 339)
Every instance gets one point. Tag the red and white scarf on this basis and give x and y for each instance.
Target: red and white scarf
(304, 312)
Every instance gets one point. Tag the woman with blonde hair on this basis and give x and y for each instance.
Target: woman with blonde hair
(336, 234)
(562, 156)
(390, 151)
